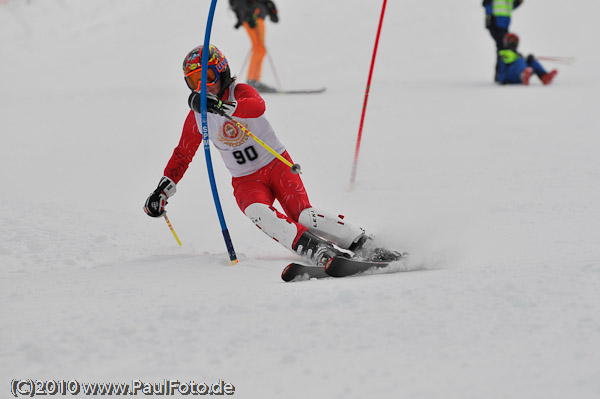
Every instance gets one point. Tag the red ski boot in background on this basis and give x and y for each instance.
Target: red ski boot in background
(548, 77)
(525, 75)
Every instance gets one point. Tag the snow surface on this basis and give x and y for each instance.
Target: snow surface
(493, 190)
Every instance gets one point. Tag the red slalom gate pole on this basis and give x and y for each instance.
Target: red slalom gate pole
(364, 109)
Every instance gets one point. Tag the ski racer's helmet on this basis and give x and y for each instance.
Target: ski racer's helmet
(218, 68)
(511, 41)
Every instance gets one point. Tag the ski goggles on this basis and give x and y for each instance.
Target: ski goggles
(193, 78)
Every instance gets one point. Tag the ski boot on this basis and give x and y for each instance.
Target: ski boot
(525, 75)
(548, 77)
(366, 248)
(316, 249)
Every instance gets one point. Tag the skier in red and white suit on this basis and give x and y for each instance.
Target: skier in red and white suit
(259, 178)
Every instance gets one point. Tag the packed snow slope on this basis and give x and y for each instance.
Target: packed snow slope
(493, 190)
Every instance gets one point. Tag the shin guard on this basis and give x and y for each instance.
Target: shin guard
(274, 224)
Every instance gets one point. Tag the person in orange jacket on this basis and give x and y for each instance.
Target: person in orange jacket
(251, 15)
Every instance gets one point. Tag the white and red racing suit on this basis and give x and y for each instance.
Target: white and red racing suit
(257, 176)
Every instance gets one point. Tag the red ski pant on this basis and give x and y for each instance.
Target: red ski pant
(274, 181)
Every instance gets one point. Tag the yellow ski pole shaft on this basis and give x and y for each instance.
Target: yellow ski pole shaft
(294, 167)
(172, 229)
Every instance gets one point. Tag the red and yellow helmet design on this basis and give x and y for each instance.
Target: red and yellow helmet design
(192, 67)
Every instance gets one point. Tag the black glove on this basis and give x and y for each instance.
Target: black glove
(156, 202)
(251, 19)
(244, 13)
(242, 17)
(490, 21)
(213, 104)
(272, 11)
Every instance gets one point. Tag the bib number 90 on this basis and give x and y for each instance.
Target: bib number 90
(249, 154)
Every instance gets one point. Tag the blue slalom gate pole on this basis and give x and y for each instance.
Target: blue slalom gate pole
(209, 167)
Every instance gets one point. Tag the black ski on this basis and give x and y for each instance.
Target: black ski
(344, 267)
(337, 267)
(297, 271)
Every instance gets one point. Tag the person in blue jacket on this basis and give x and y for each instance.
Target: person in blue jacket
(513, 68)
(498, 14)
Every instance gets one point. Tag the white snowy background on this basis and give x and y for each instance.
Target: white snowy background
(493, 190)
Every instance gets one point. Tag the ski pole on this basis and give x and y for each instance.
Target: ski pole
(295, 168)
(274, 71)
(172, 229)
(362, 117)
(561, 60)
(245, 61)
